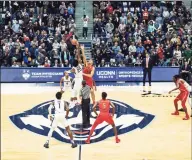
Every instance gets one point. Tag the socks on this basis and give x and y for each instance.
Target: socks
(72, 141)
(149, 88)
(144, 89)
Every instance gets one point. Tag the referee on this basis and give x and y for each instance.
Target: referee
(85, 103)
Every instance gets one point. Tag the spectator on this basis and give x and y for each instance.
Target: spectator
(132, 49)
(102, 64)
(15, 64)
(85, 26)
(116, 49)
(177, 53)
(112, 63)
(140, 49)
(119, 57)
(109, 8)
(56, 45)
(122, 27)
(123, 19)
(65, 55)
(151, 27)
(71, 9)
(187, 54)
(27, 57)
(16, 27)
(56, 64)
(160, 53)
(145, 15)
(185, 72)
(66, 63)
(62, 8)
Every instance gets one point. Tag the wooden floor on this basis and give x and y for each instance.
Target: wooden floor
(165, 138)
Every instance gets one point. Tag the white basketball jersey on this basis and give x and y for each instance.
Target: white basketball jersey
(79, 71)
(67, 82)
(59, 106)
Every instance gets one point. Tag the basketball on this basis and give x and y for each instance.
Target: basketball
(74, 42)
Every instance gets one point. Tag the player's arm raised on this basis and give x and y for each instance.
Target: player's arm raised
(83, 55)
(78, 56)
(94, 108)
(92, 73)
(113, 108)
(72, 70)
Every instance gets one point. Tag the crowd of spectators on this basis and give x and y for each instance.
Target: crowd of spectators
(37, 34)
(125, 31)
(40, 34)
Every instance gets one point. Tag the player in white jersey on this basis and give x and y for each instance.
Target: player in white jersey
(66, 82)
(77, 69)
(61, 113)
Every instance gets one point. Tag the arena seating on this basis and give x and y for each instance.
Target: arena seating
(36, 34)
(125, 31)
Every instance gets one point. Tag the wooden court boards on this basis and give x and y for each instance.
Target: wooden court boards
(147, 128)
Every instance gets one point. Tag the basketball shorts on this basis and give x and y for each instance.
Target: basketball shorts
(67, 89)
(104, 118)
(59, 119)
(183, 96)
(90, 83)
(77, 87)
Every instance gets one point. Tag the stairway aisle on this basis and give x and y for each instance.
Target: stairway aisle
(84, 7)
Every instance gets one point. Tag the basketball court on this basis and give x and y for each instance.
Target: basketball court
(164, 137)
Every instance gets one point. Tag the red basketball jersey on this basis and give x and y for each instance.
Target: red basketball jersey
(182, 86)
(89, 80)
(104, 106)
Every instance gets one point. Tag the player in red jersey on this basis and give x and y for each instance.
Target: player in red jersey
(183, 95)
(104, 115)
(88, 73)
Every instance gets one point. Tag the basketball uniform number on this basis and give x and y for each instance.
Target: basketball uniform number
(79, 69)
(104, 106)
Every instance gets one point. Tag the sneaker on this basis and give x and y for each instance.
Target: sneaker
(46, 145)
(73, 145)
(87, 141)
(186, 118)
(175, 113)
(117, 140)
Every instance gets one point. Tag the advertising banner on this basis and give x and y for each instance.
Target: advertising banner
(40, 75)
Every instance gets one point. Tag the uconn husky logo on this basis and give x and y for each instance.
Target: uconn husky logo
(26, 74)
(126, 119)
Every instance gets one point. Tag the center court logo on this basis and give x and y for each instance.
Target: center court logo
(126, 119)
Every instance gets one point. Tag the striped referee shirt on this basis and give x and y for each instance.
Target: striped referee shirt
(85, 92)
